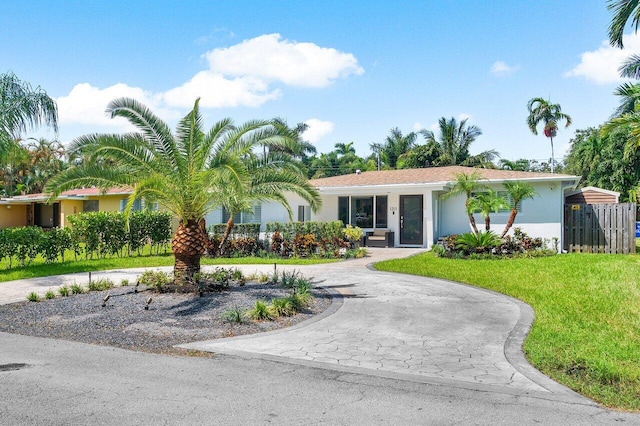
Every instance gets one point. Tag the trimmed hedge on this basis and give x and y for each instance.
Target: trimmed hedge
(96, 234)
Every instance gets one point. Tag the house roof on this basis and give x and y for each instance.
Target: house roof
(429, 175)
(593, 189)
(81, 193)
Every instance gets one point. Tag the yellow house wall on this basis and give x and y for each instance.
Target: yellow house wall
(108, 203)
(68, 208)
(13, 217)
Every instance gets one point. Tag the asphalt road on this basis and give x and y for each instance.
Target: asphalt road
(68, 383)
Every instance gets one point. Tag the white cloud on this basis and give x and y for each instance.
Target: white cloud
(317, 129)
(417, 126)
(217, 91)
(269, 58)
(86, 104)
(501, 69)
(601, 66)
(242, 75)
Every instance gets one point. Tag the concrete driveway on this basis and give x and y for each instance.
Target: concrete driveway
(386, 324)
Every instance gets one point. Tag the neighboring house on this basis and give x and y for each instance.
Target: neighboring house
(409, 203)
(33, 209)
(592, 195)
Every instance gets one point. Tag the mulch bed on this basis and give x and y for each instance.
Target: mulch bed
(171, 319)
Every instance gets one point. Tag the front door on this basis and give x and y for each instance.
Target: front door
(411, 219)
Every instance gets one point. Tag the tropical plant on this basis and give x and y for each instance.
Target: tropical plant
(186, 172)
(623, 10)
(486, 202)
(466, 184)
(481, 242)
(23, 108)
(541, 110)
(454, 141)
(629, 94)
(394, 147)
(236, 315)
(518, 191)
(260, 311)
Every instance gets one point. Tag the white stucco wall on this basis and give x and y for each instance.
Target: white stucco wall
(539, 217)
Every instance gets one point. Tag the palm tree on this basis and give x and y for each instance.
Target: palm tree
(486, 202)
(296, 145)
(343, 149)
(522, 165)
(550, 115)
(517, 191)
(23, 108)
(395, 145)
(185, 172)
(622, 11)
(466, 184)
(454, 141)
(629, 99)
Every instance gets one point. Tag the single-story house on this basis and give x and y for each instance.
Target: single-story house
(409, 203)
(33, 209)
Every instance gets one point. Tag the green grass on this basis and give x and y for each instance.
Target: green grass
(40, 269)
(586, 333)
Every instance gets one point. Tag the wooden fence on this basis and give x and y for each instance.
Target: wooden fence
(600, 228)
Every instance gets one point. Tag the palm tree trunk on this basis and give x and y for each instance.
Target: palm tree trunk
(188, 246)
(225, 236)
(552, 161)
(487, 223)
(512, 218)
(472, 221)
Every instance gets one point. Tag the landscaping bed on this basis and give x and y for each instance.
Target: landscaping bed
(171, 318)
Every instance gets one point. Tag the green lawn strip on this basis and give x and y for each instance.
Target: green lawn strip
(586, 333)
(40, 269)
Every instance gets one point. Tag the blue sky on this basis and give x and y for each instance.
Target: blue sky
(352, 70)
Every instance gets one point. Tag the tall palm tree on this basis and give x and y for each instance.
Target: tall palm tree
(486, 202)
(518, 191)
(541, 110)
(467, 184)
(454, 140)
(184, 172)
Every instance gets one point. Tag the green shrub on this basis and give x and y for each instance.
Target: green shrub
(353, 233)
(63, 291)
(76, 289)
(154, 279)
(260, 311)
(33, 297)
(101, 284)
(236, 314)
(124, 282)
(482, 242)
(281, 307)
(50, 294)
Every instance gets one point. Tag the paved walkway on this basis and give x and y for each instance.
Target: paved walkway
(386, 324)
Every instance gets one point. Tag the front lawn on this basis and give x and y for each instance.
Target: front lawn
(586, 333)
